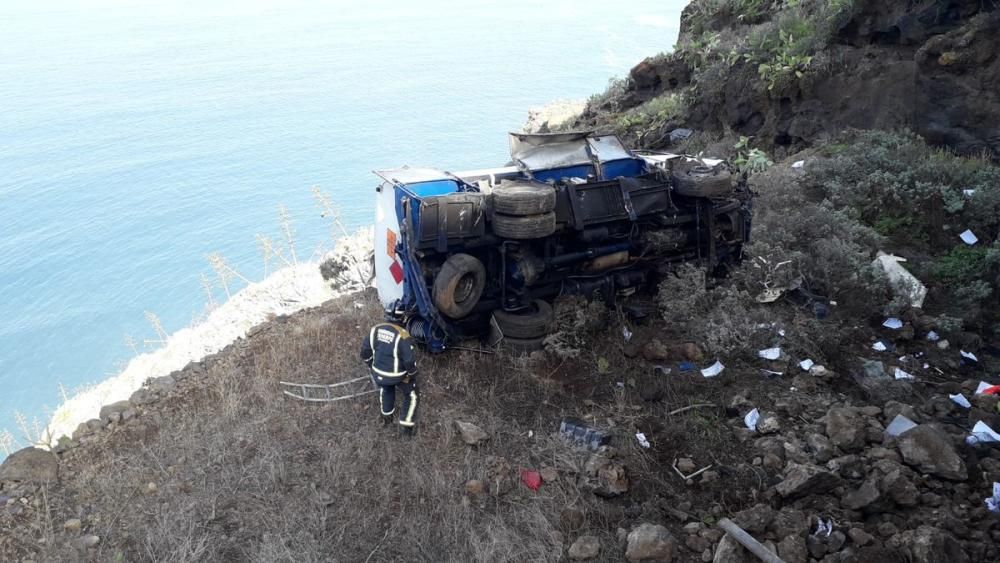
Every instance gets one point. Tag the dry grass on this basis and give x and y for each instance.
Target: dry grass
(245, 474)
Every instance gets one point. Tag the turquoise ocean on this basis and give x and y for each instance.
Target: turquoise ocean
(137, 137)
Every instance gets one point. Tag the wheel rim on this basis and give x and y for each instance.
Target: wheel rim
(464, 287)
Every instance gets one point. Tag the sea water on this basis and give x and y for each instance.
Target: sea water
(137, 137)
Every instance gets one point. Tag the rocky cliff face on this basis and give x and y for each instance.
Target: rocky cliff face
(932, 66)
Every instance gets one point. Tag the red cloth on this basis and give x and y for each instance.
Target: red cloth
(531, 479)
(995, 390)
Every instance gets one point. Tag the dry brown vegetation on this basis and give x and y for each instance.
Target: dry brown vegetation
(241, 473)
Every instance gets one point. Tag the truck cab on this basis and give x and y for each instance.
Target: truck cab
(471, 253)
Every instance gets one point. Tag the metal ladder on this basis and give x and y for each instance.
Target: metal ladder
(322, 393)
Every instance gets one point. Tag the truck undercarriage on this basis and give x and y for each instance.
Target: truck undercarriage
(486, 251)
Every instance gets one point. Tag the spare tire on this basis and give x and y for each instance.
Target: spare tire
(702, 181)
(526, 227)
(531, 322)
(524, 199)
(459, 285)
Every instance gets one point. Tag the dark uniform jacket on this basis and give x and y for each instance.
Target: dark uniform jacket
(388, 350)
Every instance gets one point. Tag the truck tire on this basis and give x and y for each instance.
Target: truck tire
(526, 227)
(520, 200)
(702, 181)
(459, 285)
(523, 346)
(532, 322)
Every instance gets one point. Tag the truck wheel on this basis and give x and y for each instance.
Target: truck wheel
(459, 285)
(702, 181)
(523, 346)
(526, 227)
(531, 322)
(520, 200)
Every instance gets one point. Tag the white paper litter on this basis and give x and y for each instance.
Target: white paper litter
(806, 364)
(933, 336)
(893, 323)
(879, 346)
(969, 192)
(968, 237)
(771, 372)
(982, 432)
(713, 370)
(899, 425)
(983, 386)
(969, 355)
(642, 439)
(961, 400)
(993, 503)
(781, 332)
(662, 369)
(770, 353)
(751, 419)
(626, 333)
(798, 164)
(824, 528)
(900, 374)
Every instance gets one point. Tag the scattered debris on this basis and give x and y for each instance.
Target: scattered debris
(993, 503)
(642, 439)
(579, 433)
(799, 164)
(982, 432)
(692, 475)
(903, 283)
(751, 419)
(747, 541)
(713, 370)
(893, 323)
(900, 374)
(969, 192)
(626, 333)
(983, 387)
(933, 336)
(969, 356)
(770, 353)
(806, 364)
(961, 400)
(772, 373)
(531, 479)
(661, 369)
(879, 346)
(899, 425)
(687, 408)
(823, 528)
(968, 237)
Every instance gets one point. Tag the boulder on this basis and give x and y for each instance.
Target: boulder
(821, 446)
(802, 479)
(142, 396)
(755, 519)
(927, 544)
(730, 551)
(931, 451)
(471, 434)
(30, 465)
(865, 495)
(107, 411)
(585, 547)
(845, 428)
(790, 522)
(650, 542)
(792, 549)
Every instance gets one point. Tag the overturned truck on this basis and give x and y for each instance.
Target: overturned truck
(484, 252)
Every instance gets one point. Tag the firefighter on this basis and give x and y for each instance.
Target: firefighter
(388, 352)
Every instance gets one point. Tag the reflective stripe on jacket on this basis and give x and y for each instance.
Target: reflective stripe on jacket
(388, 349)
